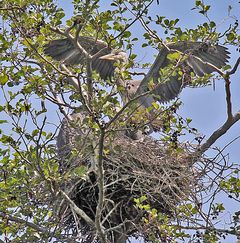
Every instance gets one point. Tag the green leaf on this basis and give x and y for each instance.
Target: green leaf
(35, 132)
(3, 121)
(189, 120)
(174, 56)
(127, 34)
(230, 36)
(3, 78)
(155, 105)
(212, 24)
(198, 3)
(144, 44)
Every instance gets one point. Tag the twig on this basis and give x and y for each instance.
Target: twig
(226, 231)
(234, 68)
(72, 78)
(79, 211)
(137, 17)
(218, 133)
(74, 41)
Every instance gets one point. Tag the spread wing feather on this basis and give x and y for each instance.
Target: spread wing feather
(64, 50)
(198, 55)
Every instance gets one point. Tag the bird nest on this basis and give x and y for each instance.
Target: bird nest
(132, 169)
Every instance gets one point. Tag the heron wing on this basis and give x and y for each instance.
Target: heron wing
(65, 50)
(201, 58)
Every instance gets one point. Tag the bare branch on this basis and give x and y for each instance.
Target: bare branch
(234, 68)
(218, 133)
(226, 231)
(100, 181)
(228, 98)
(137, 17)
(79, 211)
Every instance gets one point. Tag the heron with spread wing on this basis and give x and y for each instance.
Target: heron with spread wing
(193, 59)
(198, 58)
(66, 51)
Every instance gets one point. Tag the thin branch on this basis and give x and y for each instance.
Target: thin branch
(226, 231)
(11, 8)
(228, 98)
(125, 106)
(72, 78)
(79, 211)
(234, 68)
(89, 83)
(100, 181)
(218, 133)
(74, 41)
(137, 17)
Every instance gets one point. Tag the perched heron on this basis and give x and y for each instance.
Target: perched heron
(199, 58)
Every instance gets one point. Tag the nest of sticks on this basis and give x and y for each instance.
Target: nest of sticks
(132, 169)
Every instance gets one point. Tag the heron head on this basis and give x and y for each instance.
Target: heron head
(116, 55)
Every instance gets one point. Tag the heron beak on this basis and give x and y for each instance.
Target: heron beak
(109, 57)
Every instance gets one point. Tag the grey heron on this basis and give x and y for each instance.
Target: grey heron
(200, 58)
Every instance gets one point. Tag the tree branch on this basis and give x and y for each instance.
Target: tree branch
(234, 68)
(100, 187)
(79, 211)
(228, 98)
(218, 133)
(226, 231)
